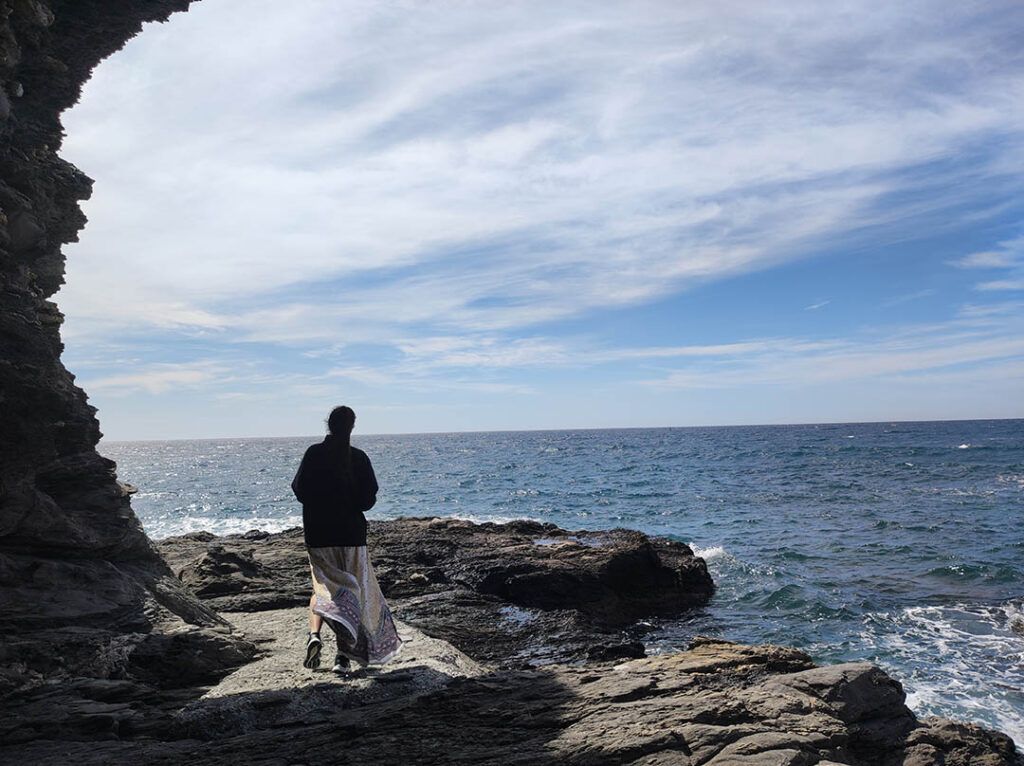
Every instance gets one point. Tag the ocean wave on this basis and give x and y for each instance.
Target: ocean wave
(961, 661)
(786, 598)
(1014, 610)
(171, 526)
(711, 552)
(485, 518)
(974, 572)
(787, 554)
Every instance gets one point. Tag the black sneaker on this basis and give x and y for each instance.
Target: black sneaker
(313, 647)
(341, 663)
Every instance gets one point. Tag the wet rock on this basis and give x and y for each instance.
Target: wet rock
(1017, 625)
(611, 651)
(939, 740)
(614, 577)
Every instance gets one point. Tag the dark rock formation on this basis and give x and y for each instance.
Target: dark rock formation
(719, 704)
(82, 590)
(614, 577)
(509, 593)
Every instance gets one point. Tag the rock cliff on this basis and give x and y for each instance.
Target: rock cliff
(81, 587)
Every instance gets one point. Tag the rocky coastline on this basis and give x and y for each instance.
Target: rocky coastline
(506, 594)
(522, 646)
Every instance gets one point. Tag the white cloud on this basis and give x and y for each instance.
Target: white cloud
(362, 374)
(987, 259)
(1001, 284)
(162, 378)
(881, 353)
(397, 200)
(992, 309)
(482, 168)
(1009, 254)
(901, 299)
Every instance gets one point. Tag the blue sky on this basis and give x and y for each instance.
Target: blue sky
(466, 216)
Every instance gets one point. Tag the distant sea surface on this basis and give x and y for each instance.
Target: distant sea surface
(901, 544)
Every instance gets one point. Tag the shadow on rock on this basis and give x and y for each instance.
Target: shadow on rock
(718, 704)
(236, 714)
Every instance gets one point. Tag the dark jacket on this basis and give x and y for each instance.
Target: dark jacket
(333, 502)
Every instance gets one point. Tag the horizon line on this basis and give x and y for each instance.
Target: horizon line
(582, 428)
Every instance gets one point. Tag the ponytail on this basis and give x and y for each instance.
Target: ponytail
(340, 423)
(345, 446)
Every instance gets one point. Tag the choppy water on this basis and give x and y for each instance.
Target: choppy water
(902, 544)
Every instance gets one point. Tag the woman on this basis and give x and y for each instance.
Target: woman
(335, 484)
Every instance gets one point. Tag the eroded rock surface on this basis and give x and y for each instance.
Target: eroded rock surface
(497, 695)
(514, 593)
(719, 704)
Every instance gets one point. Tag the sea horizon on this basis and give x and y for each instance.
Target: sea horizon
(357, 434)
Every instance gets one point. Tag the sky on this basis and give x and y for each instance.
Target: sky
(466, 216)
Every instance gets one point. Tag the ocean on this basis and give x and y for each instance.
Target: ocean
(897, 543)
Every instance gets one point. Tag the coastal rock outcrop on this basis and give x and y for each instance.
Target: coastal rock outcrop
(506, 593)
(717, 704)
(521, 684)
(82, 590)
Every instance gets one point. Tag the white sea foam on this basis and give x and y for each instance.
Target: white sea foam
(1014, 611)
(167, 526)
(714, 552)
(488, 518)
(964, 446)
(1017, 479)
(966, 661)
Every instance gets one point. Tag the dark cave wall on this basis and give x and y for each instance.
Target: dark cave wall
(73, 556)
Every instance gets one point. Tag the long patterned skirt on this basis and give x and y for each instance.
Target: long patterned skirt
(350, 601)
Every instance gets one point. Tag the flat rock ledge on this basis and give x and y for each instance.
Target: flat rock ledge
(718, 703)
(499, 666)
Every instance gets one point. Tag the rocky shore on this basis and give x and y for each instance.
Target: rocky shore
(506, 594)
(521, 647)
